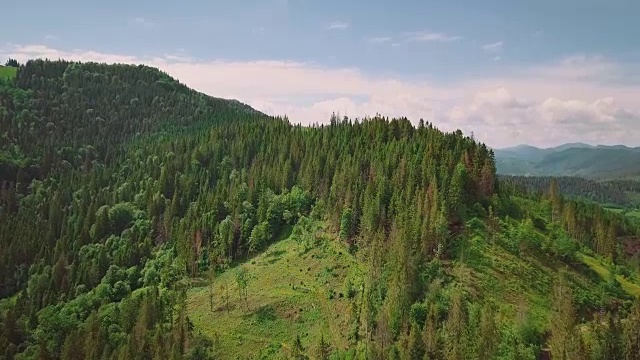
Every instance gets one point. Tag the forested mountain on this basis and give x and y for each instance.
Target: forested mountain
(617, 193)
(581, 160)
(76, 113)
(142, 220)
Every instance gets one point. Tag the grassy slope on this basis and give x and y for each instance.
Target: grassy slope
(629, 213)
(521, 284)
(287, 295)
(633, 213)
(276, 311)
(7, 72)
(629, 286)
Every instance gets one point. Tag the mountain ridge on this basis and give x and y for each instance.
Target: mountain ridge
(564, 146)
(571, 159)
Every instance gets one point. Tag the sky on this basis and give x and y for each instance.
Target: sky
(511, 72)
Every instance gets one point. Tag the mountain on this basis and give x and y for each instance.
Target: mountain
(140, 219)
(83, 112)
(594, 162)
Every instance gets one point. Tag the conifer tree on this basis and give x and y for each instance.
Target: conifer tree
(455, 327)
(556, 200)
(631, 333)
(415, 345)
(430, 334)
(324, 349)
(488, 332)
(564, 339)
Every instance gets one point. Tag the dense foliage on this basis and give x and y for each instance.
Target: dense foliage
(73, 113)
(119, 184)
(618, 193)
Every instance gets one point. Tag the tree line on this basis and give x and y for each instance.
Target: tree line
(616, 193)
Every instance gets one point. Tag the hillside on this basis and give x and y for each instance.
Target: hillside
(149, 221)
(314, 292)
(617, 193)
(582, 160)
(82, 112)
(293, 289)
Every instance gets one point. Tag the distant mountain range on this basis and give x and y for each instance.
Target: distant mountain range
(600, 162)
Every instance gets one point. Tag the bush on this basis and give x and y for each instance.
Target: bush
(332, 294)
(350, 289)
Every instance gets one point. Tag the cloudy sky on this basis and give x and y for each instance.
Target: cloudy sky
(540, 72)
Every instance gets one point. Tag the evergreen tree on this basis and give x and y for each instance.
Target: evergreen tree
(556, 200)
(324, 350)
(430, 335)
(565, 339)
(631, 333)
(488, 332)
(455, 327)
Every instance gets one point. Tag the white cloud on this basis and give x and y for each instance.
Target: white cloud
(337, 25)
(547, 121)
(495, 47)
(429, 36)
(378, 39)
(581, 66)
(543, 105)
(51, 37)
(140, 21)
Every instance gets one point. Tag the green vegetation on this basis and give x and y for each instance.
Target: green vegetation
(630, 286)
(616, 194)
(290, 292)
(7, 72)
(140, 219)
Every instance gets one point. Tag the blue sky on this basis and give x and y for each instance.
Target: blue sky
(510, 71)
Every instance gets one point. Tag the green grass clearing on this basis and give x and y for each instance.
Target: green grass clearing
(633, 213)
(7, 72)
(630, 287)
(615, 210)
(288, 294)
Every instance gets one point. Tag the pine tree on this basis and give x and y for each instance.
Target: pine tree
(564, 340)
(488, 332)
(415, 346)
(212, 276)
(487, 179)
(324, 350)
(612, 339)
(43, 352)
(430, 335)
(556, 200)
(455, 328)
(73, 347)
(631, 333)
(242, 281)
